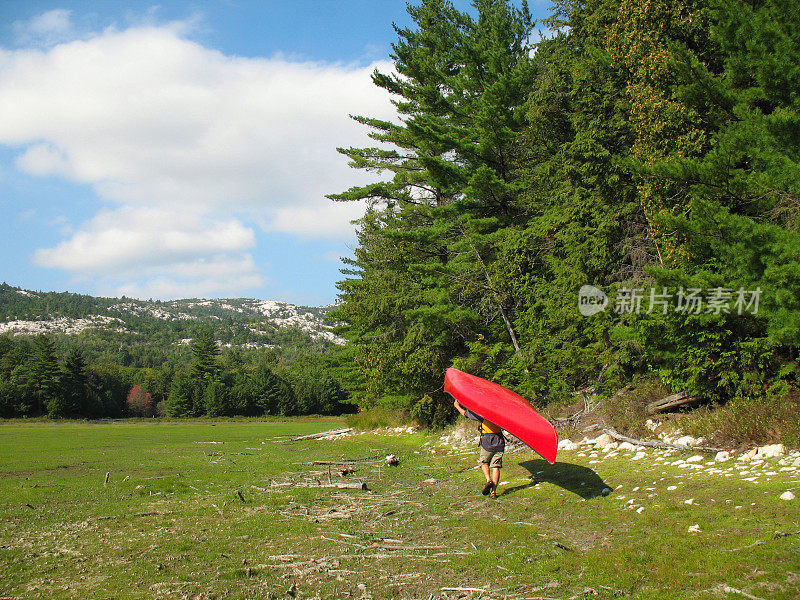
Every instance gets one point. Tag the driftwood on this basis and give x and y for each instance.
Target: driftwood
(344, 462)
(670, 402)
(316, 436)
(653, 444)
(342, 486)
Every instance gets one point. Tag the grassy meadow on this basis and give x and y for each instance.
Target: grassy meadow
(198, 510)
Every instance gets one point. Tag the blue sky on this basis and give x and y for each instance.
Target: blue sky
(184, 149)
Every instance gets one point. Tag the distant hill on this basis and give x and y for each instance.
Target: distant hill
(111, 324)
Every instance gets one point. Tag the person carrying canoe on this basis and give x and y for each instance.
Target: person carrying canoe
(492, 444)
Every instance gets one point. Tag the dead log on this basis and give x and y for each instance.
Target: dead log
(653, 444)
(341, 486)
(670, 402)
(343, 462)
(316, 436)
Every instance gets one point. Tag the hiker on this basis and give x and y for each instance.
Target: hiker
(492, 444)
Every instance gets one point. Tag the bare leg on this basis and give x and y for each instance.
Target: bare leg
(495, 481)
(485, 469)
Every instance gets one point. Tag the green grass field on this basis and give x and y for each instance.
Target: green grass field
(196, 510)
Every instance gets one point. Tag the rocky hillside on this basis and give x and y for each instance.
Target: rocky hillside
(241, 322)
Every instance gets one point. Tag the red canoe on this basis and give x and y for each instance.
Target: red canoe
(507, 409)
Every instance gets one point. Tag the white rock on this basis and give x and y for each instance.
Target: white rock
(680, 461)
(689, 501)
(638, 456)
(771, 451)
(610, 447)
(672, 488)
(796, 462)
(722, 456)
(687, 440)
(694, 529)
(787, 496)
(602, 441)
(695, 458)
(567, 445)
(640, 510)
(652, 425)
(747, 455)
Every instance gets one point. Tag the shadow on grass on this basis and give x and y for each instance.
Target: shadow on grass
(577, 479)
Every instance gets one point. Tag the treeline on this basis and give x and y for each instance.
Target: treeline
(650, 150)
(36, 379)
(149, 334)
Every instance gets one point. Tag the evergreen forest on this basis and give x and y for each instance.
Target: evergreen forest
(137, 358)
(609, 196)
(606, 197)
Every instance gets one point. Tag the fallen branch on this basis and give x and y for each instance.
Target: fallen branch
(462, 589)
(316, 436)
(778, 535)
(670, 402)
(733, 590)
(344, 462)
(652, 444)
(563, 547)
(756, 543)
(781, 534)
(341, 486)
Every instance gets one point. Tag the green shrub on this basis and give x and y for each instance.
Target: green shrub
(377, 417)
(433, 413)
(752, 421)
(626, 410)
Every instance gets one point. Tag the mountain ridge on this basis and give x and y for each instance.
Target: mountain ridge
(244, 322)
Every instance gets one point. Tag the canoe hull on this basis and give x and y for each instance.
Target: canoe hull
(507, 409)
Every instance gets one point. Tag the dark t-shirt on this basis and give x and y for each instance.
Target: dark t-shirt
(491, 442)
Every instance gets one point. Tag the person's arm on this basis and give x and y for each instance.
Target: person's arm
(459, 408)
(465, 412)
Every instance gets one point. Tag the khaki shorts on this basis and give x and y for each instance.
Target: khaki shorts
(493, 459)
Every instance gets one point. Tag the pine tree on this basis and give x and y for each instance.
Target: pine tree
(206, 367)
(77, 393)
(418, 286)
(43, 371)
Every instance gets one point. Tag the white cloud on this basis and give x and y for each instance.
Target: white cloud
(142, 239)
(146, 116)
(44, 159)
(166, 287)
(46, 29)
(182, 143)
(317, 220)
